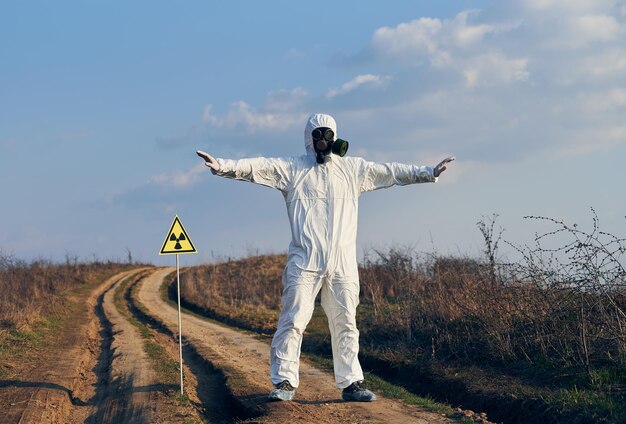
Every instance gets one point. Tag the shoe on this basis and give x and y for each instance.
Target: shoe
(357, 392)
(283, 391)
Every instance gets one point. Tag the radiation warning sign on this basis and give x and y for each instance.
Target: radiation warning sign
(177, 240)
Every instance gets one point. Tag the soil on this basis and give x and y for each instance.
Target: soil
(95, 370)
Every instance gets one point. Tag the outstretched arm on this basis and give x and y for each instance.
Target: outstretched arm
(271, 172)
(382, 175)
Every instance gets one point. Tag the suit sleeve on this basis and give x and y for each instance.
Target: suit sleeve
(270, 172)
(374, 176)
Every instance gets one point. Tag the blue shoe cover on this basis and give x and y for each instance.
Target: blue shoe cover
(356, 392)
(283, 391)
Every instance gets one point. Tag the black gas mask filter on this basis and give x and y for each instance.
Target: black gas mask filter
(324, 145)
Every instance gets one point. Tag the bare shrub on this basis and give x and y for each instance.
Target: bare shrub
(563, 305)
(582, 287)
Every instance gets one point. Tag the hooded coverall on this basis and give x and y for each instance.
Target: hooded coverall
(322, 205)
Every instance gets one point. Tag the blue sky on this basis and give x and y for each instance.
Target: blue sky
(102, 105)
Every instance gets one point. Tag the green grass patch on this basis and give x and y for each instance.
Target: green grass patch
(21, 344)
(24, 345)
(600, 403)
(167, 369)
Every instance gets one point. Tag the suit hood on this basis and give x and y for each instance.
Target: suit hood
(317, 120)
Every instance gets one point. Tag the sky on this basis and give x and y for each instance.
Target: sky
(103, 104)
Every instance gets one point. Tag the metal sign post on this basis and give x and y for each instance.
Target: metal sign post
(180, 328)
(178, 242)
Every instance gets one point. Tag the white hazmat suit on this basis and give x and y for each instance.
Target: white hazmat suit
(322, 204)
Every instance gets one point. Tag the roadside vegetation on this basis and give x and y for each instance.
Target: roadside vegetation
(540, 339)
(38, 298)
(33, 291)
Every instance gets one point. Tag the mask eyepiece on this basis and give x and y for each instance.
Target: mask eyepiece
(323, 133)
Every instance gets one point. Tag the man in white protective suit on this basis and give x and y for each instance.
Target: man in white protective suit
(321, 190)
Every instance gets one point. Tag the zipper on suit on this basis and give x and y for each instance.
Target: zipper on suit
(331, 212)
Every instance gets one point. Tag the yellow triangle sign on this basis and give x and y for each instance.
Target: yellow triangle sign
(177, 240)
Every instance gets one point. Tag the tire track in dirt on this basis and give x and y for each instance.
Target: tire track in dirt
(61, 382)
(129, 388)
(245, 362)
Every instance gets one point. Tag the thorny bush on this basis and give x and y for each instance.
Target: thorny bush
(563, 305)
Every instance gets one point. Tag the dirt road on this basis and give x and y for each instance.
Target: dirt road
(244, 360)
(97, 370)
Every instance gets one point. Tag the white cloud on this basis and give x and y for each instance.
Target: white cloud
(285, 100)
(418, 36)
(605, 64)
(281, 110)
(434, 38)
(569, 6)
(607, 100)
(369, 80)
(493, 69)
(572, 24)
(593, 140)
(456, 44)
(465, 34)
(598, 27)
(179, 179)
(295, 54)
(580, 31)
(243, 116)
(487, 88)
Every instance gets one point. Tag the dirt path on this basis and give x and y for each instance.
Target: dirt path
(131, 387)
(61, 380)
(245, 361)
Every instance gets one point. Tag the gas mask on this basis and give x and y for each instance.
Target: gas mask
(323, 143)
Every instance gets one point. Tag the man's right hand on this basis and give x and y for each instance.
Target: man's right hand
(442, 166)
(208, 160)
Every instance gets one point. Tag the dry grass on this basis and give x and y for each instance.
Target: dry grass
(556, 317)
(445, 307)
(247, 291)
(31, 292)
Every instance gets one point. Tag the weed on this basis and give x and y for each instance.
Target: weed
(167, 369)
(183, 399)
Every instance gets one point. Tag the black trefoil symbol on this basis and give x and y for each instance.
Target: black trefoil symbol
(177, 246)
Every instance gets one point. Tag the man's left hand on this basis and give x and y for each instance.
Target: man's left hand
(442, 166)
